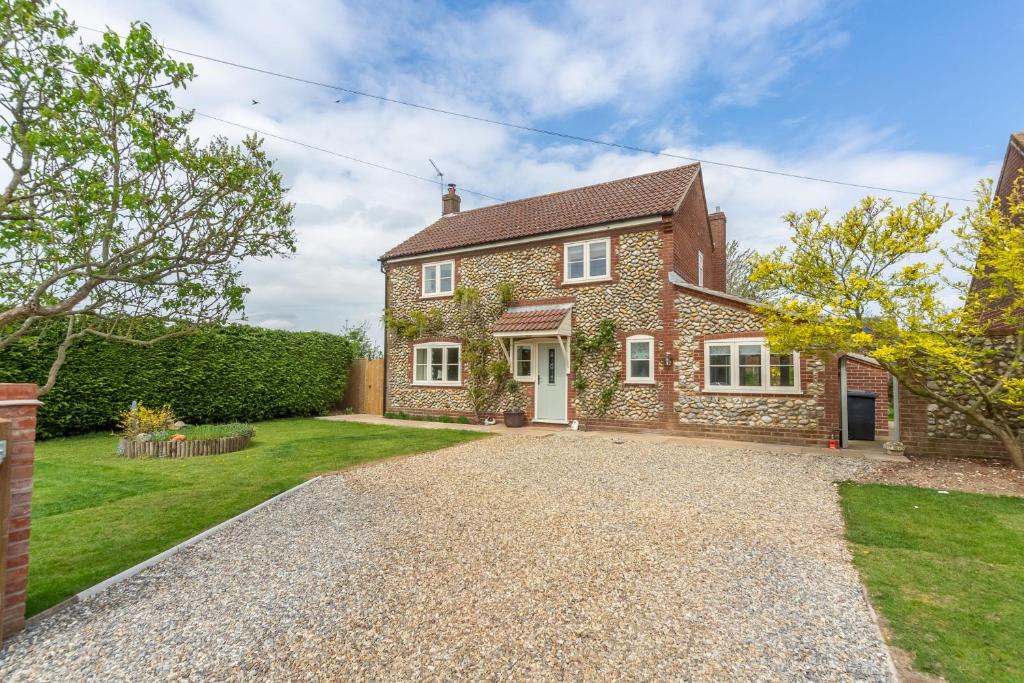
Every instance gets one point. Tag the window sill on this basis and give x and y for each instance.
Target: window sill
(586, 281)
(754, 391)
(647, 382)
(524, 379)
(443, 385)
(440, 295)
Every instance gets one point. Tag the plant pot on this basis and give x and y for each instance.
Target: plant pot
(515, 418)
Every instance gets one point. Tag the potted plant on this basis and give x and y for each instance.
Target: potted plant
(514, 414)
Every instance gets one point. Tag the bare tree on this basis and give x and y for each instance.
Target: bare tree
(739, 264)
(113, 221)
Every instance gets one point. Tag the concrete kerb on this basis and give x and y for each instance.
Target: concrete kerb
(873, 455)
(146, 564)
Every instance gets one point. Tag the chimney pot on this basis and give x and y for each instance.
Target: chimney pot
(450, 202)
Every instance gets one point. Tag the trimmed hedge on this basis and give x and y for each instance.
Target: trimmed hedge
(234, 373)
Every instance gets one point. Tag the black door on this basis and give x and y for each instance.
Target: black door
(860, 413)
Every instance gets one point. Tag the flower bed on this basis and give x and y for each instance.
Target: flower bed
(188, 441)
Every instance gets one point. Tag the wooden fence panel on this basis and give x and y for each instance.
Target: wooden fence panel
(365, 391)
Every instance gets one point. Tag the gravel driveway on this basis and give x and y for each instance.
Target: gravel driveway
(557, 558)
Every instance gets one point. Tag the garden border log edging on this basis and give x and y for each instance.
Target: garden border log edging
(129, 448)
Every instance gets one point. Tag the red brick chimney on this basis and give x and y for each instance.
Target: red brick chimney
(451, 202)
(715, 276)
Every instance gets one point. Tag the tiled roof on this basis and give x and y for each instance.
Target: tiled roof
(531, 320)
(650, 194)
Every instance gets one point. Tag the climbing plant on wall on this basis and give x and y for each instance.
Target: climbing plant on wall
(416, 324)
(486, 373)
(596, 375)
(486, 370)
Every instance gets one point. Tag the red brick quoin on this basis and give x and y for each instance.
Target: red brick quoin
(18, 405)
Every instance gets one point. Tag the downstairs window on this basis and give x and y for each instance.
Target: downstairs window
(748, 365)
(437, 364)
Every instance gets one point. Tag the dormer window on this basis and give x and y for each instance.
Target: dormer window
(588, 260)
(438, 278)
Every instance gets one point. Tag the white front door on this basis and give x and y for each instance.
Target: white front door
(552, 394)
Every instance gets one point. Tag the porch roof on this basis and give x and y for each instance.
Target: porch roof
(533, 321)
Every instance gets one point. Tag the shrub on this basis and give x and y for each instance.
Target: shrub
(215, 375)
(143, 420)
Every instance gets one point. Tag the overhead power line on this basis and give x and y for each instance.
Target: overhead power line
(544, 131)
(337, 154)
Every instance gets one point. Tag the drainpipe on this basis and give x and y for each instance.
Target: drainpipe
(384, 391)
(844, 418)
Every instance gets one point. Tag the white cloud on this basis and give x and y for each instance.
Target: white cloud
(585, 54)
(634, 55)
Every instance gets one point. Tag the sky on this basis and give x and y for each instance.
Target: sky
(899, 95)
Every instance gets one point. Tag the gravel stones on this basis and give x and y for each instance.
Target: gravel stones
(562, 557)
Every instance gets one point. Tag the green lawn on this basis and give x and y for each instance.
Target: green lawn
(95, 514)
(947, 572)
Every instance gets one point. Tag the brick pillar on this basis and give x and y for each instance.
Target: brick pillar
(18, 406)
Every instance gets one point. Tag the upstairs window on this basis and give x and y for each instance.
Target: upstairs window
(748, 365)
(587, 260)
(437, 364)
(438, 278)
(700, 268)
(640, 359)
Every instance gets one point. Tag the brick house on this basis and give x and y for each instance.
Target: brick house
(643, 252)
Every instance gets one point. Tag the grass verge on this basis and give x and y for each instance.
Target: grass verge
(946, 570)
(95, 514)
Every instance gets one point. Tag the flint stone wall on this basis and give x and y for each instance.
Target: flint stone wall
(698, 318)
(633, 299)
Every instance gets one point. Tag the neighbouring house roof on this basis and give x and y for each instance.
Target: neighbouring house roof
(532, 319)
(1013, 163)
(651, 194)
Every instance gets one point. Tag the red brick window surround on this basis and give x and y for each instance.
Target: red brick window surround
(587, 260)
(640, 359)
(437, 364)
(746, 365)
(437, 278)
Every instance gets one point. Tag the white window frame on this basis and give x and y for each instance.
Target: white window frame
(734, 368)
(515, 361)
(436, 265)
(700, 268)
(444, 364)
(587, 277)
(639, 339)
